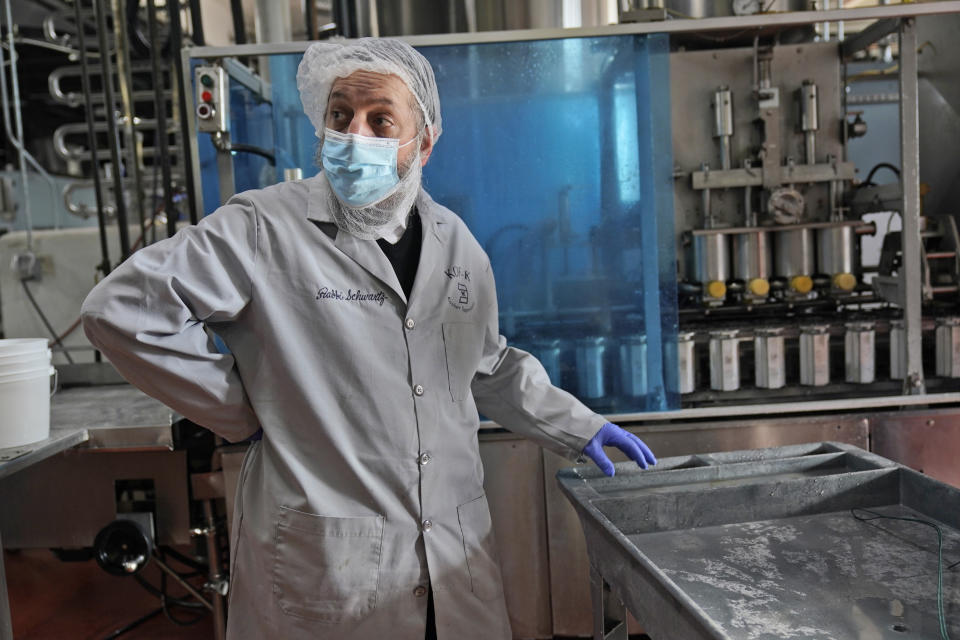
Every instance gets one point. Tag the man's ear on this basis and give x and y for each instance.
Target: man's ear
(426, 146)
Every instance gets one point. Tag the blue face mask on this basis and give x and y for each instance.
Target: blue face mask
(360, 169)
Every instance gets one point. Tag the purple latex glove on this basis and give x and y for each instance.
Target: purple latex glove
(613, 436)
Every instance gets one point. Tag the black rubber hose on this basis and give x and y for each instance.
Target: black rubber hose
(190, 604)
(249, 148)
(187, 560)
(133, 625)
(882, 165)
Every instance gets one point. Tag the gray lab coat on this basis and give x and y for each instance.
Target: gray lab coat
(368, 482)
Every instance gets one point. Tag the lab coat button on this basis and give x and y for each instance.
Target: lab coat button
(427, 525)
(418, 389)
(420, 591)
(409, 324)
(424, 458)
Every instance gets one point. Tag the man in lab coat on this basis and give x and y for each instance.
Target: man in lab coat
(361, 318)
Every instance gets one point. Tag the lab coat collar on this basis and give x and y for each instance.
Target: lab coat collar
(318, 211)
(366, 253)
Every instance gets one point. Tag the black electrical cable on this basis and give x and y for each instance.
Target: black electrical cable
(46, 322)
(165, 602)
(249, 148)
(877, 516)
(152, 590)
(133, 625)
(190, 562)
(882, 165)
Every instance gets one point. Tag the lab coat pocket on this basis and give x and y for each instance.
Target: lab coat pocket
(480, 548)
(462, 346)
(325, 568)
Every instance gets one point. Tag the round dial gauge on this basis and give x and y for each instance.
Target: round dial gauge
(746, 7)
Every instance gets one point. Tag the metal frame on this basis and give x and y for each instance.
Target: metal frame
(887, 12)
(889, 18)
(670, 26)
(912, 245)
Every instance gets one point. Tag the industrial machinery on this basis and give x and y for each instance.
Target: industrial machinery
(710, 213)
(779, 298)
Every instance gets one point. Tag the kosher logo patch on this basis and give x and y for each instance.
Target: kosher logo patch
(351, 295)
(462, 297)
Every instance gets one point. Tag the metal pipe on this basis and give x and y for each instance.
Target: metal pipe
(92, 140)
(160, 137)
(213, 554)
(749, 214)
(708, 221)
(24, 185)
(114, 135)
(17, 141)
(125, 82)
(911, 274)
(723, 123)
(183, 583)
(809, 119)
(186, 143)
(6, 622)
(67, 152)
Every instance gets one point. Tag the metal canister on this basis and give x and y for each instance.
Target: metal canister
(898, 341)
(549, 351)
(752, 263)
(815, 355)
(711, 264)
(590, 373)
(948, 347)
(769, 358)
(793, 260)
(686, 362)
(836, 251)
(859, 352)
(633, 365)
(725, 360)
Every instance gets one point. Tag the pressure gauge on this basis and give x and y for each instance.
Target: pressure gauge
(746, 7)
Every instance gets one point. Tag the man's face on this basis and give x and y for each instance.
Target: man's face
(377, 105)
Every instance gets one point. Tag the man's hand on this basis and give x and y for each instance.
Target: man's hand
(612, 435)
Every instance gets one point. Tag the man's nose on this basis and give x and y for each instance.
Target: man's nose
(360, 126)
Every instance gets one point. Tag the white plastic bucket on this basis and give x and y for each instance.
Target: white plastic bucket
(23, 346)
(18, 359)
(23, 369)
(25, 399)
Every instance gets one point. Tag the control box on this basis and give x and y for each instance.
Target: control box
(212, 89)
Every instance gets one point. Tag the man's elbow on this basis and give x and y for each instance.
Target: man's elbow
(92, 316)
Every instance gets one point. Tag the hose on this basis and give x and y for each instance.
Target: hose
(259, 151)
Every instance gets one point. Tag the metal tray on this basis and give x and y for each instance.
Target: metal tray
(762, 544)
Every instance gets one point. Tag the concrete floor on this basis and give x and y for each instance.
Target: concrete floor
(54, 600)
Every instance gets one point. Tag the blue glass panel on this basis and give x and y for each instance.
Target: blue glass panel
(557, 155)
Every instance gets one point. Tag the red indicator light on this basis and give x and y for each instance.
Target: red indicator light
(206, 96)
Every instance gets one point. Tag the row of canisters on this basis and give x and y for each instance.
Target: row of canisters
(814, 348)
(791, 256)
(604, 366)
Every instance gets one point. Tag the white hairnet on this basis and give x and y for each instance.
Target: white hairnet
(324, 62)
